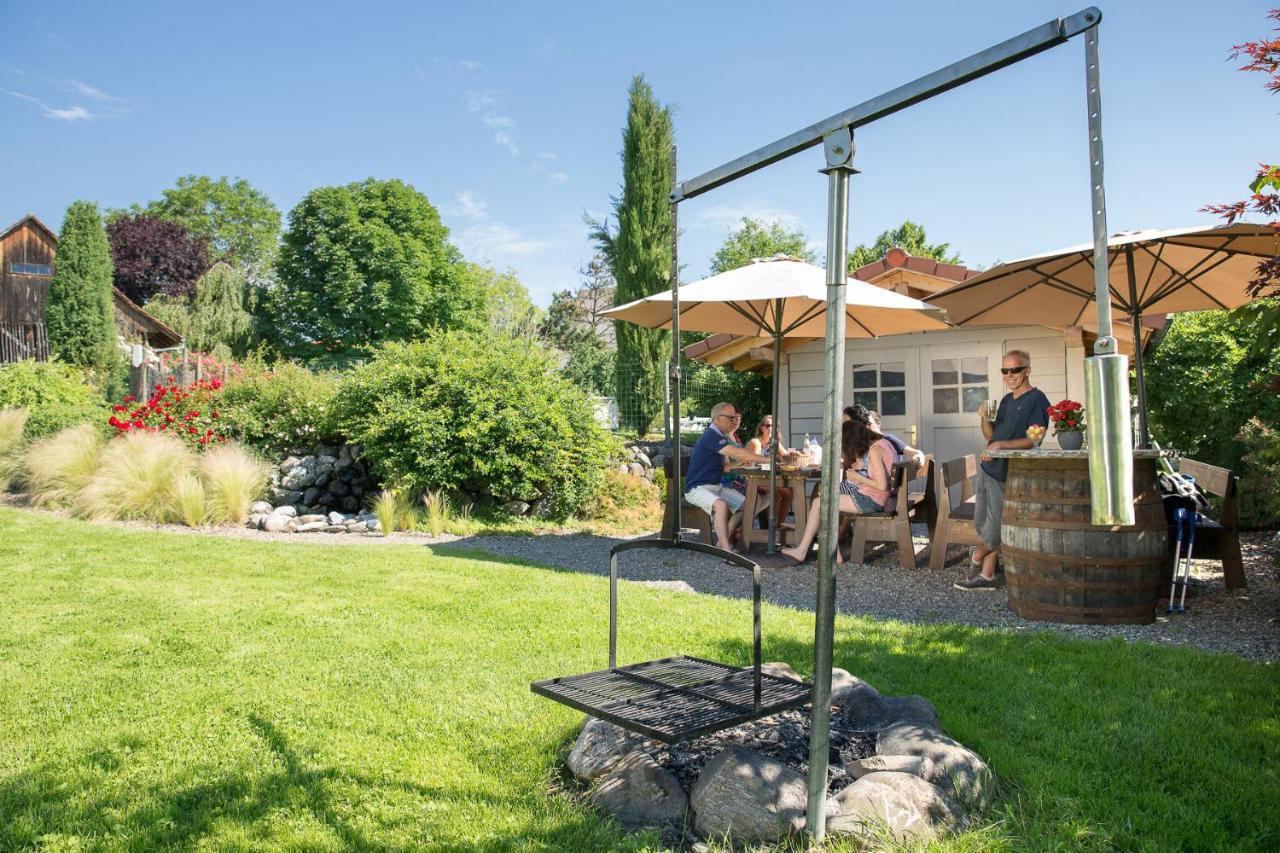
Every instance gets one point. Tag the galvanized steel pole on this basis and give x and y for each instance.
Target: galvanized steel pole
(675, 484)
(838, 147)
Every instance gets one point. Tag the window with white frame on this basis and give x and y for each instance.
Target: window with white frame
(959, 384)
(882, 387)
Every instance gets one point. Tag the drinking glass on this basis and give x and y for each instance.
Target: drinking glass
(990, 408)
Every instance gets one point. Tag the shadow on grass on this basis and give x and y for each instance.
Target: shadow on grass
(64, 803)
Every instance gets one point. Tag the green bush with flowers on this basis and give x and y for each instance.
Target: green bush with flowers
(188, 412)
(55, 395)
(279, 409)
(480, 414)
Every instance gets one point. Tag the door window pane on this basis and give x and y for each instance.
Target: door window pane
(865, 398)
(864, 376)
(893, 403)
(973, 370)
(893, 375)
(946, 401)
(973, 397)
(944, 371)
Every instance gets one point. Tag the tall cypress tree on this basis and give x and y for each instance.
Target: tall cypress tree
(639, 252)
(79, 314)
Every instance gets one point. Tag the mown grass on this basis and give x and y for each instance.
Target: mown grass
(160, 690)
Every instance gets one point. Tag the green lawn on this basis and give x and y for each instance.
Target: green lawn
(160, 690)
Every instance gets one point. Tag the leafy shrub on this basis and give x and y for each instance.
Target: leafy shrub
(55, 395)
(624, 499)
(56, 467)
(478, 414)
(232, 480)
(12, 422)
(1260, 478)
(189, 412)
(274, 411)
(136, 478)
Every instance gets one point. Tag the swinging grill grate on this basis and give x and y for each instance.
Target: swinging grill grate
(677, 698)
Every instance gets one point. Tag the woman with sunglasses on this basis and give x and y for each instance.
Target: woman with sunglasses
(762, 444)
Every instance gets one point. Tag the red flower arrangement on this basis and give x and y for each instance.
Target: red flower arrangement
(184, 411)
(1067, 416)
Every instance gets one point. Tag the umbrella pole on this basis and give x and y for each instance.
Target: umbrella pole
(773, 433)
(1144, 437)
(674, 485)
(838, 146)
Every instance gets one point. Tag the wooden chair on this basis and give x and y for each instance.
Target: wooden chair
(911, 505)
(955, 520)
(690, 515)
(1217, 539)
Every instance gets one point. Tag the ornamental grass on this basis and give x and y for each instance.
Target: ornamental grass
(189, 501)
(232, 479)
(386, 506)
(136, 479)
(438, 512)
(12, 424)
(56, 468)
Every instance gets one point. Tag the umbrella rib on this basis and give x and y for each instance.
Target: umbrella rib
(1188, 278)
(809, 313)
(1117, 299)
(1152, 272)
(1047, 279)
(861, 325)
(755, 318)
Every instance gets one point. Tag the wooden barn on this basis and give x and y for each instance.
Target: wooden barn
(27, 250)
(26, 264)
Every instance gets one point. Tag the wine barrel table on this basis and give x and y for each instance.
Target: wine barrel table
(1060, 567)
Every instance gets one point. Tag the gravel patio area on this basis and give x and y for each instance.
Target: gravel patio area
(1242, 622)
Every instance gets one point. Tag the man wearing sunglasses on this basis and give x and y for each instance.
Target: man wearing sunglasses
(1022, 407)
(703, 488)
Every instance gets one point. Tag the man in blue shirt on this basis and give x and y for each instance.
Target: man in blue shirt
(706, 465)
(1022, 407)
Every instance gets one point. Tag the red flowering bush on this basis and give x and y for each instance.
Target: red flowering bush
(187, 411)
(1067, 416)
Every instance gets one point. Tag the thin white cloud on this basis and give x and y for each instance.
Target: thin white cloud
(76, 113)
(495, 120)
(470, 206)
(504, 139)
(495, 240)
(548, 156)
(552, 175)
(93, 92)
(478, 100)
(728, 216)
(487, 102)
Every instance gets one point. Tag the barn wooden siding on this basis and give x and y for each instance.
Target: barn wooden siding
(23, 295)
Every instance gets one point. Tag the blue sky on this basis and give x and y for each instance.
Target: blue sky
(508, 115)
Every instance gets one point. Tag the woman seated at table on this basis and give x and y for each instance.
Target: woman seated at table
(867, 458)
(762, 445)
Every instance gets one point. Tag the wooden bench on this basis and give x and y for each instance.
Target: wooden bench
(955, 520)
(690, 515)
(1217, 539)
(918, 505)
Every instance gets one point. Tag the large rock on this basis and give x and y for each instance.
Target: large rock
(255, 520)
(289, 464)
(638, 792)
(898, 804)
(516, 507)
(311, 496)
(912, 764)
(635, 469)
(312, 526)
(600, 746)
(949, 764)
(780, 669)
(275, 522)
(749, 797)
(863, 707)
(261, 507)
(286, 510)
(336, 518)
(310, 517)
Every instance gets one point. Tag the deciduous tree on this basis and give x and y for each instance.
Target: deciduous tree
(910, 237)
(753, 239)
(153, 256)
(79, 314)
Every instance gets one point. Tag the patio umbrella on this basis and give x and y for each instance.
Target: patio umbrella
(1151, 272)
(780, 297)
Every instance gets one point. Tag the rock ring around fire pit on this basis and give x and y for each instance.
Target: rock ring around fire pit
(893, 772)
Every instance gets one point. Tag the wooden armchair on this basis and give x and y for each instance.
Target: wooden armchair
(1217, 539)
(912, 505)
(955, 520)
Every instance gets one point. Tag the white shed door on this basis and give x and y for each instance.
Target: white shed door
(887, 381)
(955, 379)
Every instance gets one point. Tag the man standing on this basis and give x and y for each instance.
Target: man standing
(1022, 407)
(702, 485)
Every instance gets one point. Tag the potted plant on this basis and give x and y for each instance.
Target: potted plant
(1068, 424)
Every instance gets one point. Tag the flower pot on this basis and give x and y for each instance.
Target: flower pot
(1070, 440)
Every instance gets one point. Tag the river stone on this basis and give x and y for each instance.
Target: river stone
(949, 764)
(902, 804)
(338, 489)
(374, 524)
(285, 510)
(311, 526)
(335, 528)
(358, 527)
(287, 498)
(311, 496)
(748, 796)
(255, 520)
(261, 507)
(310, 517)
(275, 522)
(643, 459)
(780, 669)
(913, 764)
(861, 705)
(638, 792)
(289, 463)
(600, 746)
(516, 507)
(336, 518)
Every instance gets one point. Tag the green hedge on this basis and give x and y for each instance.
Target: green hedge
(279, 409)
(55, 395)
(479, 414)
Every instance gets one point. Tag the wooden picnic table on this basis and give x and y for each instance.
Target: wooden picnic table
(787, 477)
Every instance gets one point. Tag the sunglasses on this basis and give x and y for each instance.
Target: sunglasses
(731, 417)
(1007, 371)
(765, 425)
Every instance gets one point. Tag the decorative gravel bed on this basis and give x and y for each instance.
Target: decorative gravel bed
(1242, 622)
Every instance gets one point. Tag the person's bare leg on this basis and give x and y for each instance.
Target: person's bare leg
(801, 551)
(785, 497)
(720, 521)
(989, 564)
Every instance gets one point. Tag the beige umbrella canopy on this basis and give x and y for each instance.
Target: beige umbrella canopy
(1152, 272)
(781, 297)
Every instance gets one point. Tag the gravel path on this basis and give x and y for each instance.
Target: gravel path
(1243, 622)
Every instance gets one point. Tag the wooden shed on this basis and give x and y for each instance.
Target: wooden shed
(26, 264)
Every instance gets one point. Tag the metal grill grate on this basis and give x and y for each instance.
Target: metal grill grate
(676, 698)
